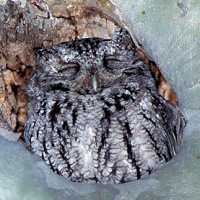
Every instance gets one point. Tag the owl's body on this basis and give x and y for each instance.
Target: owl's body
(94, 113)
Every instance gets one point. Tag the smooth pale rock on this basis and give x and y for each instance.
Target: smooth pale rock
(169, 32)
(9, 135)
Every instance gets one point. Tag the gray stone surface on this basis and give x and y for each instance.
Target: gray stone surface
(169, 32)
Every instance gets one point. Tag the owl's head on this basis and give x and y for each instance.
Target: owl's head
(87, 66)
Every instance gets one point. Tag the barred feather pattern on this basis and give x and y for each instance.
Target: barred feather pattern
(95, 115)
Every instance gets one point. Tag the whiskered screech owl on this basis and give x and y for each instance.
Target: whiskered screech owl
(94, 113)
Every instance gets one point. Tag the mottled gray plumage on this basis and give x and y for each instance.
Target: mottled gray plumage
(94, 113)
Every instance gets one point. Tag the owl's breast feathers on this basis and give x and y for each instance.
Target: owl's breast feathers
(113, 137)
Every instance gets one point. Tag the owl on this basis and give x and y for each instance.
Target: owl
(95, 115)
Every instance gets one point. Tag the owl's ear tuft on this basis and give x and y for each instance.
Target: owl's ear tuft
(122, 37)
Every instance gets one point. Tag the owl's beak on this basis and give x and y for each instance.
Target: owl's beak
(94, 83)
